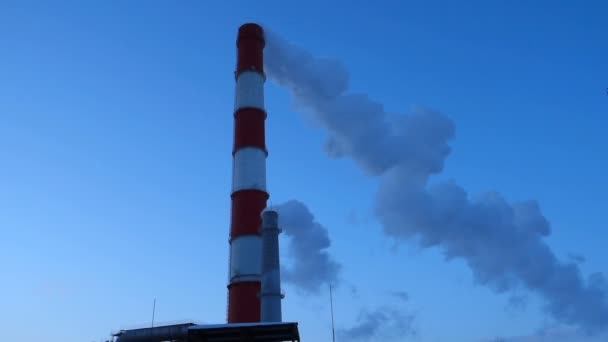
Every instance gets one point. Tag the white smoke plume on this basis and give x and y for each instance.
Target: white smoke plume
(313, 266)
(503, 243)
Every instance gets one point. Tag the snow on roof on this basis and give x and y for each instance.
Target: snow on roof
(238, 325)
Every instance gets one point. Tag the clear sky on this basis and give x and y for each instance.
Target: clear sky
(115, 149)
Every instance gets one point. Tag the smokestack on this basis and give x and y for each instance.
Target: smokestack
(249, 194)
(271, 274)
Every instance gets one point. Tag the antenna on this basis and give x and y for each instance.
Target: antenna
(153, 311)
(331, 303)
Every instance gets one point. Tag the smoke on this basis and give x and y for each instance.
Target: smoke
(502, 242)
(312, 265)
(554, 334)
(380, 324)
(577, 258)
(402, 295)
(517, 303)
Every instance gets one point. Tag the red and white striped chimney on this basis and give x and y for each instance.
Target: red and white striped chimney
(249, 194)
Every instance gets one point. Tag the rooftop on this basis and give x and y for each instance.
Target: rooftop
(236, 332)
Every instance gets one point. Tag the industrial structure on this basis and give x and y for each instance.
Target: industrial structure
(249, 194)
(254, 289)
(271, 275)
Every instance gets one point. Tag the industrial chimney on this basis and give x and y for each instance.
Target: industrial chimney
(271, 270)
(254, 290)
(249, 194)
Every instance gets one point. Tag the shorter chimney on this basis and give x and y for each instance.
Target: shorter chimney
(271, 274)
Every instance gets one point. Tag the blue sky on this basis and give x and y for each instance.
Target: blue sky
(116, 133)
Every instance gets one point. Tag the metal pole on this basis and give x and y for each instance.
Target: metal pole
(153, 311)
(331, 303)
